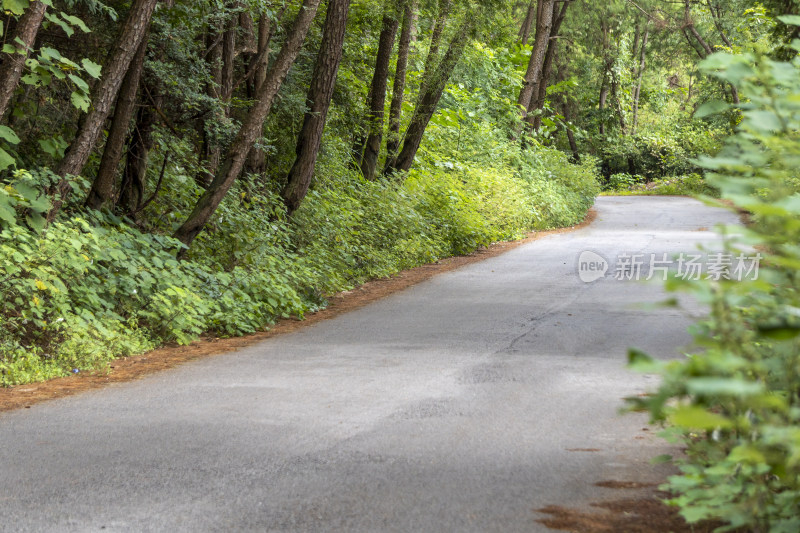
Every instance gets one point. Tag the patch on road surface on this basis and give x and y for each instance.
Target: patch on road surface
(489, 373)
(431, 408)
(643, 515)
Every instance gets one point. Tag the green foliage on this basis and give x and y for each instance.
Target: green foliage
(685, 185)
(91, 286)
(735, 406)
(251, 266)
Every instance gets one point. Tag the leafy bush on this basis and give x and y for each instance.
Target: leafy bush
(735, 406)
(685, 185)
(90, 286)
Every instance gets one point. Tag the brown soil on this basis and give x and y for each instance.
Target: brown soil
(131, 368)
(647, 514)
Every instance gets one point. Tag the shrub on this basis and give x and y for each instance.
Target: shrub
(735, 406)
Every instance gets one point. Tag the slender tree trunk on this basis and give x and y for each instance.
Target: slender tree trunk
(103, 186)
(638, 88)
(140, 139)
(699, 51)
(209, 151)
(534, 73)
(432, 58)
(318, 100)
(228, 60)
(538, 98)
(134, 176)
(617, 102)
(427, 102)
(601, 103)
(566, 107)
(527, 24)
(573, 146)
(377, 96)
(13, 64)
(133, 32)
(399, 87)
(256, 159)
(253, 123)
(705, 49)
(716, 15)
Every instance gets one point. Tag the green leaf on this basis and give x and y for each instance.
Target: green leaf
(792, 20)
(764, 121)
(50, 53)
(716, 61)
(26, 191)
(75, 21)
(53, 147)
(697, 418)
(8, 135)
(639, 361)
(16, 6)
(80, 100)
(7, 213)
(91, 68)
(60, 23)
(711, 108)
(6, 160)
(9, 49)
(36, 221)
(779, 332)
(79, 83)
(723, 386)
(747, 454)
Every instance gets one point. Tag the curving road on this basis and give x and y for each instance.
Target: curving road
(462, 404)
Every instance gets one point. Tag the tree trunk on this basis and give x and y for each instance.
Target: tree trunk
(209, 151)
(377, 96)
(538, 98)
(253, 123)
(103, 186)
(533, 75)
(567, 108)
(617, 102)
(705, 49)
(133, 32)
(638, 88)
(601, 103)
(432, 58)
(527, 24)
(427, 102)
(228, 59)
(134, 176)
(13, 64)
(256, 159)
(399, 87)
(319, 98)
(716, 15)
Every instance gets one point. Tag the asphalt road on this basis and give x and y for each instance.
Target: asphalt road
(462, 404)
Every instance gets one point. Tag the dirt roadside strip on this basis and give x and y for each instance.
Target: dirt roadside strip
(131, 368)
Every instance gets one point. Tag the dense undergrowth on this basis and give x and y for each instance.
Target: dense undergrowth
(92, 287)
(735, 405)
(683, 185)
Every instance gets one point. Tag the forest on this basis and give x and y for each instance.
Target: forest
(171, 169)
